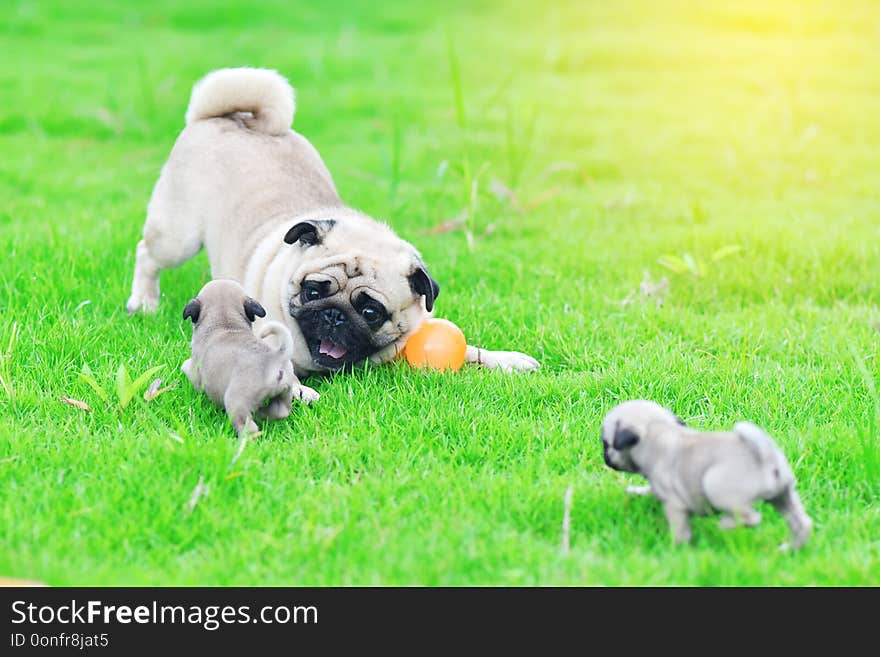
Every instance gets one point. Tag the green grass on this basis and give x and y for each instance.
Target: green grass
(628, 132)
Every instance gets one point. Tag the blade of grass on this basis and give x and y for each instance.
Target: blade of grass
(456, 82)
(87, 376)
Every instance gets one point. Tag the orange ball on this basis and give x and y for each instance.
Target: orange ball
(438, 344)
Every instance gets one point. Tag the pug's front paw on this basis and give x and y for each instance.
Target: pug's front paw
(508, 361)
(306, 395)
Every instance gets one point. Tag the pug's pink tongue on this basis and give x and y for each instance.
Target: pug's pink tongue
(333, 350)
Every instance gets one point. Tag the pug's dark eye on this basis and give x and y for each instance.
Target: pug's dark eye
(372, 312)
(311, 291)
(372, 315)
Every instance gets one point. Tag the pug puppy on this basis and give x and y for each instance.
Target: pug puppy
(257, 196)
(236, 368)
(694, 472)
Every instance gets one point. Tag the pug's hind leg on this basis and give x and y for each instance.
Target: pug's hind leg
(790, 506)
(679, 522)
(239, 407)
(171, 237)
(243, 422)
(726, 492)
(145, 282)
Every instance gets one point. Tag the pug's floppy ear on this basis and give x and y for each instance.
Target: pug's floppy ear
(253, 309)
(424, 286)
(193, 310)
(309, 233)
(624, 438)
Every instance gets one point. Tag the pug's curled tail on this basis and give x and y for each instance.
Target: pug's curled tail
(766, 451)
(262, 99)
(779, 480)
(281, 332)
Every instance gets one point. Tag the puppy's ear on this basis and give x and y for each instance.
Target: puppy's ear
(423, 285)
(309, 233)
(253, 309)
(625, 438)
(193, 310)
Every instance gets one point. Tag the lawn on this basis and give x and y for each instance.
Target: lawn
(671, 200)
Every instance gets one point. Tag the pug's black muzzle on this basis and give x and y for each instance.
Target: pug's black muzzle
(336, 341)
(608, 461)
(332, 318)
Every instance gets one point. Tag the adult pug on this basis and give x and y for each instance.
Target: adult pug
(258, 197)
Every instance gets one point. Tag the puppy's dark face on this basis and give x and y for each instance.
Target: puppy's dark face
(626, 427)
(358, 291)
(617, 444)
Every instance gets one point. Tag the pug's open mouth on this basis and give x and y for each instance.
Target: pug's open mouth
(332, 350)
(336, 337)
(330, 355)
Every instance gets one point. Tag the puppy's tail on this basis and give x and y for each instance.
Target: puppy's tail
(766, 451)
(281, 332)
(779, 480)
(263, 94)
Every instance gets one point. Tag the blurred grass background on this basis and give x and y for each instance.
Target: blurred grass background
(554, 164)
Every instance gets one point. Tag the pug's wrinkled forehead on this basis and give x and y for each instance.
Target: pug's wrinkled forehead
(353, 257)
(637, 416)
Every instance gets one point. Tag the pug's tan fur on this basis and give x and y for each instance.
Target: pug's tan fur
(235, 368)
(693, 472)
(239, 182)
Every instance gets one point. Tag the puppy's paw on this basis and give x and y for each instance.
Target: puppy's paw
(508, 361)
(801, 534)
(727, 523)
(795, 545)
(639, 490)
(246, 428)
(306, 395)
(192, 373)
(278, 409)
(145, 301)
